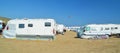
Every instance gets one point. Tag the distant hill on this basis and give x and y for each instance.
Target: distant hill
(4, 19)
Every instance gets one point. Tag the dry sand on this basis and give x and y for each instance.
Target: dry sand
(62, 44)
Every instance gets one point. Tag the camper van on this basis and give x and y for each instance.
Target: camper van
(30, 29)
(60, 29)
(101, 29)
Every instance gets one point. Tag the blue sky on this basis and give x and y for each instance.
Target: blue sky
(68, 12)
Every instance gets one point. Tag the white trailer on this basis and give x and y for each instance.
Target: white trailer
(60, 29)
(30, 29)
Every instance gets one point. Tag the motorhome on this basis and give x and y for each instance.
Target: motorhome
(30, 29)
(93, 30)
(98, 29)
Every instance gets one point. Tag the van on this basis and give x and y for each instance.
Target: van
(100, 30)
(107, 29)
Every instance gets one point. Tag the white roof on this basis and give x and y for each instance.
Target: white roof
(29, 20)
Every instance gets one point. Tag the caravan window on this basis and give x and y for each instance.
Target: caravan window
(112, 28)
(30, 25)
(116, 27)
(106, 28)
(47, 24)
(21, 26)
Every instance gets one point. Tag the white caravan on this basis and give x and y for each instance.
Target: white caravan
(30, 29)
(60, 29)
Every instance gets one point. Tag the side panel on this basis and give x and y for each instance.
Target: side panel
(39, 28)
(116, 29)
(27, 28)
(49, 28)
(96, 30)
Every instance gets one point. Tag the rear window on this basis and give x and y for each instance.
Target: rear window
(21, 25)
(47, 24)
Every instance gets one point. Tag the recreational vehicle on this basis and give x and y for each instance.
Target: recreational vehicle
(99, 29)
(60, 29)
(30, 29)
(105, 30)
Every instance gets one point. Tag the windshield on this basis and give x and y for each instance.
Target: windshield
(87, 28)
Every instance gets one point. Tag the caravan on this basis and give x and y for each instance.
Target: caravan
(30, 29)
(60, 29)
